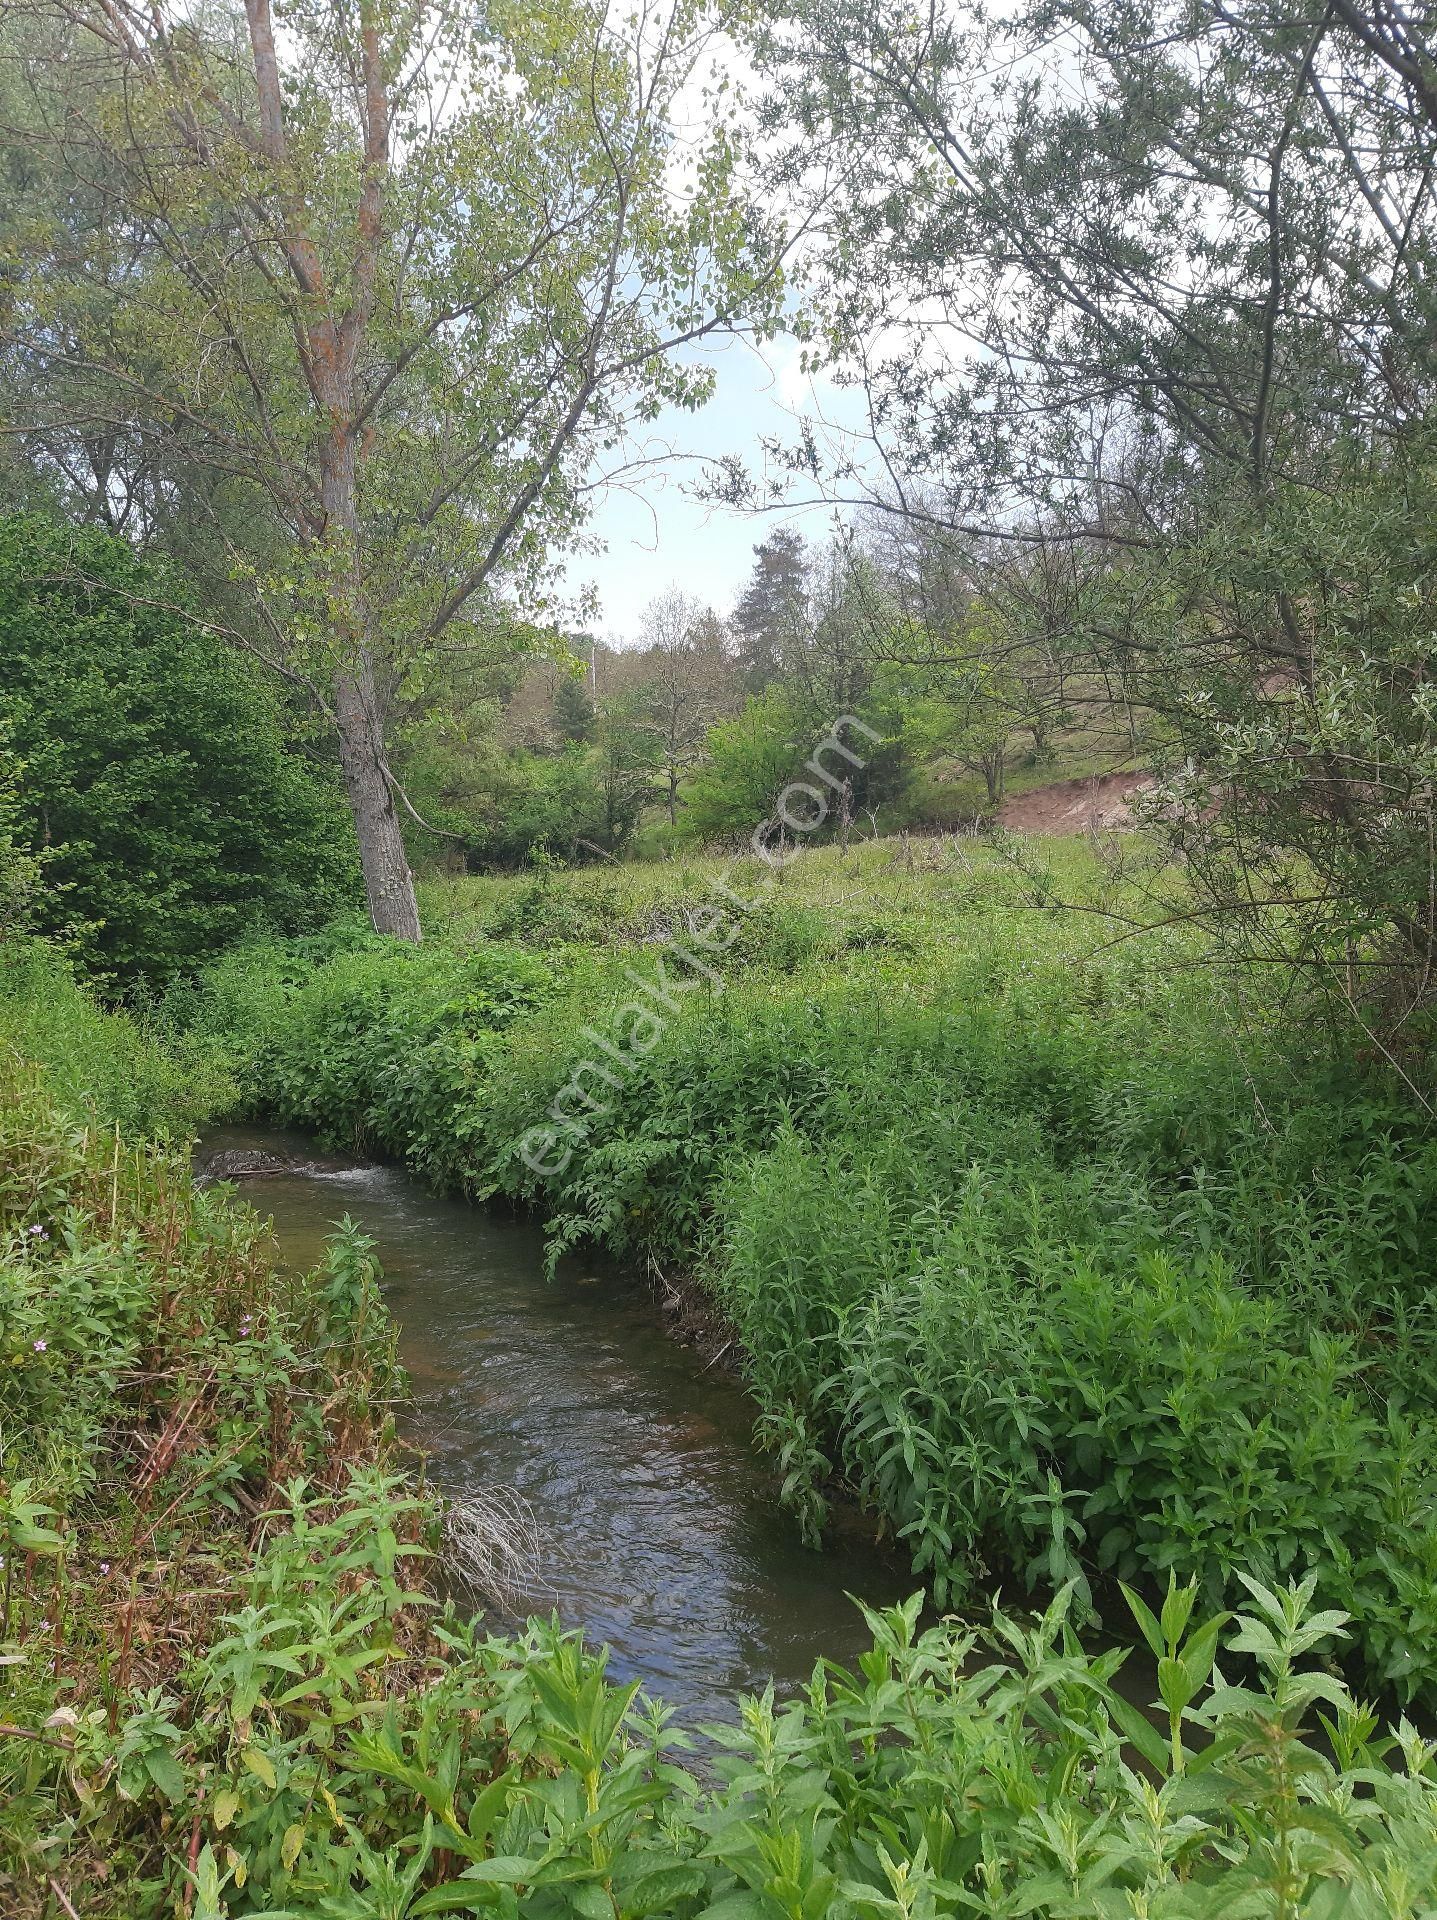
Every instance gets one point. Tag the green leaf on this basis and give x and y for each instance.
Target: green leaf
(1147, 1622)
(505, 1869)
(454, 1897)
(226, 1806)
(659, 1888)
(166, 1772)
(1138, 1730)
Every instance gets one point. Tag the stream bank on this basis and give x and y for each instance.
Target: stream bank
(655, 1523)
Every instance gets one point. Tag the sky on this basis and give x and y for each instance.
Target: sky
(657, 535)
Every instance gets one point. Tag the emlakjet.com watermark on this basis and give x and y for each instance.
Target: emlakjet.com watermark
(680, 966)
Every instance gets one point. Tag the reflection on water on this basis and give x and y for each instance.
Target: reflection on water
(661, 1528)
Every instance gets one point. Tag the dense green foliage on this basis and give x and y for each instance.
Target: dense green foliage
(19, 866)
(1068, 1265)
(750, 759)
(286, 1724)
(109, 1063)
(153, 768)
(504, 810)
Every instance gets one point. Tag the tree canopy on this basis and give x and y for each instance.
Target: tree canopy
(1146, 292)
(344, 302)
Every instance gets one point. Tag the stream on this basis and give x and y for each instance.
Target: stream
(657, 1524)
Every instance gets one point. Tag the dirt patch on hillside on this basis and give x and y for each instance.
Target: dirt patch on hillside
(1095, 803)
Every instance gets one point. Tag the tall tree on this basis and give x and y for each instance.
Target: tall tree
(998, 613)
(690, 682)
(574, 710)
(772, 607)
(348, 296)
(627, 756)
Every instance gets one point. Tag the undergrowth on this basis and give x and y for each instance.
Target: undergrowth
(1074, 1264)
(111, 1064)
(227, 1690)
(227, 1686)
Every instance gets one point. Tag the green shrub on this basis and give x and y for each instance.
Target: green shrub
(379, 1044)
(154, 768)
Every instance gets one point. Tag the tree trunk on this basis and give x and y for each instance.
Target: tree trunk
(388, 883)
(331, 350)
(673, 797)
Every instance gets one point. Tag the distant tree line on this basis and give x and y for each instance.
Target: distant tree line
(691, 732)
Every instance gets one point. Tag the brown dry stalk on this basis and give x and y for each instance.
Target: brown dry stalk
(61, 1896)
(29, 1733)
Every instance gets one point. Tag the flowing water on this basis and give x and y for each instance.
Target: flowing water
(658, 1524)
